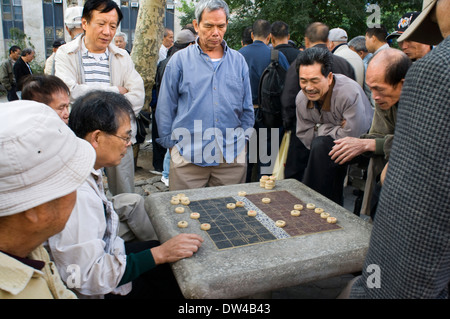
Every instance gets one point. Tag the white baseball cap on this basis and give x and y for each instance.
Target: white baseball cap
(72, 17)
(338, 35)
(41, 159)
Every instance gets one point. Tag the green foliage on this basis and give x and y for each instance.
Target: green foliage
(298, 14)
(189, 13)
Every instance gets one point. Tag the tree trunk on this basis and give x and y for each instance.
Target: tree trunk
(147, 40)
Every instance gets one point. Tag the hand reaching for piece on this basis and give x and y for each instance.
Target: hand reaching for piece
(176, 248)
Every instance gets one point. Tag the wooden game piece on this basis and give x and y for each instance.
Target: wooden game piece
(310, 206)
(231, 205)
(332, 220)
(324, 215)
(185, 201)
(179, 210)
(280, 223)
(251, 213)
(298, 206)
(266, 200)
(269, 184)
(195, 215)
(205, 226)
(240, 204)
(295, 212)
(242, 193)
(182, 224)
(263, 180)
(318, 210)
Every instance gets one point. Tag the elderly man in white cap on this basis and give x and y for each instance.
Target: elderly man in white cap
(409, 251)
(42, 164)
(337, 44)
(72, 20)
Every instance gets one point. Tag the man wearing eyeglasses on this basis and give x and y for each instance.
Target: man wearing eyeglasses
(113, 242)
(91, 62)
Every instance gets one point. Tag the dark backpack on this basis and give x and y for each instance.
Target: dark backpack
(271, 86)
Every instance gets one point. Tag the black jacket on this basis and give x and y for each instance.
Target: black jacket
(21, 70)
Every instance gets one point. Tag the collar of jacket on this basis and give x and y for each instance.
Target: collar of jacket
(75, 46)
(200, 50)
(326, 105)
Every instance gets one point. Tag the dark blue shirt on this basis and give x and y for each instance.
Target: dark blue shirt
(257, 56)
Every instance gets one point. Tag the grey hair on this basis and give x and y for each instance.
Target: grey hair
(358, 43)
(210, 5)
(27, 51)
(123, 35)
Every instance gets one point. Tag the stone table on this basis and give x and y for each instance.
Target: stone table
(262, 267)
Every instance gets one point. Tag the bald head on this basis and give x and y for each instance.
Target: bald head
(385, 76)
(393, 62)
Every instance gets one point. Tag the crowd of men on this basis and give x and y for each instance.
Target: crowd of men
(344, 101)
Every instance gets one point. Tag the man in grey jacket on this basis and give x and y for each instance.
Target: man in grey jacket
(329, 106)
(91, 62)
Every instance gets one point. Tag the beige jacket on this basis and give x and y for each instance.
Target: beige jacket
(68, 67)
(19, 281)
(354, 59)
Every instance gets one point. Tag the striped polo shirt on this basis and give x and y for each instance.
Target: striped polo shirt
(96, 67)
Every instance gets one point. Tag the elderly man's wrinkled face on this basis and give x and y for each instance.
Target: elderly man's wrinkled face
(168, 39)
(313, 83)
(60, 103)
(120, 42)
(384, 94)
(100, 30)
(113, 147)
(211, 29)
(414, 50)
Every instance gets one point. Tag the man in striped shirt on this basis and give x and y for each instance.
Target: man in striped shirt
(92, 62)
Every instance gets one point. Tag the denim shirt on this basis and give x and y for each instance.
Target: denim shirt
(204, 109)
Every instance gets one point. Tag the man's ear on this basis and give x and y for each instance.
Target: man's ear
(94, 138)
(84, 23)
(330, 78)
(195, 24)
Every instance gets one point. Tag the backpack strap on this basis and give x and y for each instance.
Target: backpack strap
(274, 55)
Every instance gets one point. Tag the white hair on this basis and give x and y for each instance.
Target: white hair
(210, 5)
(123, 35)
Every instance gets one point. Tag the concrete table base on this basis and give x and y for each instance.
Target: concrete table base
(249, 270)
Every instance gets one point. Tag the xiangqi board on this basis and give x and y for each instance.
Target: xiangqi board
(234, 227)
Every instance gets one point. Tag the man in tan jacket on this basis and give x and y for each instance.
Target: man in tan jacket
(39, 177)
(92, 62)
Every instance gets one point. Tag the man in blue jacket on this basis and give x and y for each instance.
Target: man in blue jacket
(204, 106)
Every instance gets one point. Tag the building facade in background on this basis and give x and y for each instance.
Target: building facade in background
(42, 21)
